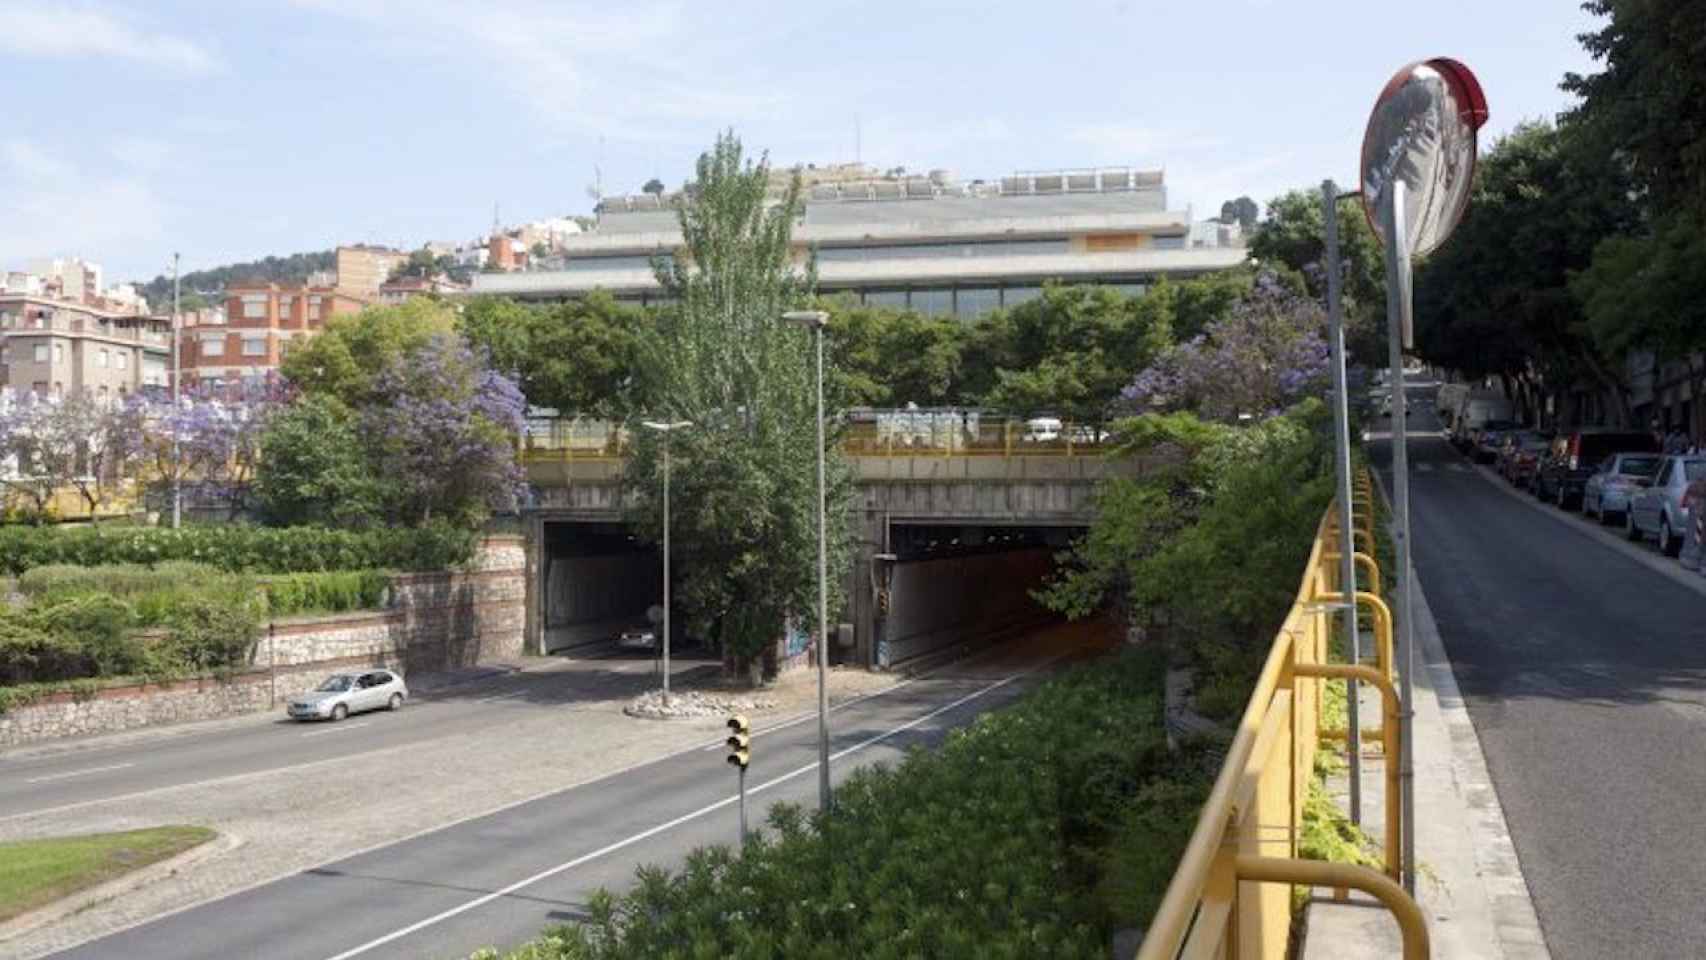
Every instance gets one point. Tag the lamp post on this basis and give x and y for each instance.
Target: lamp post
(815, 321)
(666, 429)
(177, 374)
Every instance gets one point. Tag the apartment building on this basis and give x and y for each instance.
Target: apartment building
(362, 269)
(57, 347)
(931, 243)
(248, 340)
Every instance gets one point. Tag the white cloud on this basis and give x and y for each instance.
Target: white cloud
(52, 206)
(631, 73)
(32, 28)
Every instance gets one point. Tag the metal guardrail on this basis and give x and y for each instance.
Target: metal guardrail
(1231, 894)
(869, 433)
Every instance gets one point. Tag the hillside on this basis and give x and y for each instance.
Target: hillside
(201, 286)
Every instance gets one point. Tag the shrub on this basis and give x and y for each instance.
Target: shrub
(214, 630)
(238, 548)
(125, 580)
(996, 845)
(330, 592)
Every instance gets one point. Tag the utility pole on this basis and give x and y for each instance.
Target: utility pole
(177, 375)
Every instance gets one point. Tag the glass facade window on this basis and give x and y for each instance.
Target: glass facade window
(973, 302)
(1012, 296)
(1168, 243)
(934, 303)
(611, 263)
(894, 299)
(1130, 289)
(914, 251)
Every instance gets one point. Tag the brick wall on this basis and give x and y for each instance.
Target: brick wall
(436, 621)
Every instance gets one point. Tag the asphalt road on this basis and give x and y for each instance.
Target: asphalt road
(1585, 674)
(498, 879)
(32, 782)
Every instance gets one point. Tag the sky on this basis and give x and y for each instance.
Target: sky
(228, 130)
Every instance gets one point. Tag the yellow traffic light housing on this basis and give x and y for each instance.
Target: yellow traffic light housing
(740, 741)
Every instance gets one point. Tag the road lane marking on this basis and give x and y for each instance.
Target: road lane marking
(650, 832)
(78, 773)
(812, 714)
(337, 729)
(1424, 468)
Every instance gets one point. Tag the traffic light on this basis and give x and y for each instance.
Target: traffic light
(740, 741)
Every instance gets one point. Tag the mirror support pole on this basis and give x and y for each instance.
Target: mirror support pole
(1398, 336)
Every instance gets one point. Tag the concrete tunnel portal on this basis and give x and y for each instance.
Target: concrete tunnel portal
(596, 578)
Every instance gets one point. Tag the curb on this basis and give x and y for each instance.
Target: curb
(116, 887)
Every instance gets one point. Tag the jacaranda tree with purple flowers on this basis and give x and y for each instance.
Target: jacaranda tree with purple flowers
(1267, 353)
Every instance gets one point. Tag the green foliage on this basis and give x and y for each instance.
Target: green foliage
(294, 268)
(743, 477)
(881, 357)
(345, 359)
(578, 357)
(1035, 832)
(239, 548)
(333, 591)
(314, 468)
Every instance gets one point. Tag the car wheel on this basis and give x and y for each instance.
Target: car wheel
(396, 702)
(1669, 543)
(339, 712)
(1631, 532)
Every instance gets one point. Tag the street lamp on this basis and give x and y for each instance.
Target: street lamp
(177, 417)
(815, 321)
(666, 429)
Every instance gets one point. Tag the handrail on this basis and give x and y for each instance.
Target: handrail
(1250, 824)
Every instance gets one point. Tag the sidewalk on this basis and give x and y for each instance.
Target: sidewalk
(1468, 881)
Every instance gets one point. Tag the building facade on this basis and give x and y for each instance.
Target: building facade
(929, 243)
(247, 341)
(57, 348)
(362, 270)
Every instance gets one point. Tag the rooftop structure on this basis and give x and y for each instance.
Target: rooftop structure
(928, 242)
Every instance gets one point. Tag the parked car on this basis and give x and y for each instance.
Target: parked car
(1576, 456)
(1478, 411)
(1606, 494)
(1657, 511)
(1520, 455)
(640, 636)
(1042, 429)
(1694, 501)
(345, 693)
(1484, 447)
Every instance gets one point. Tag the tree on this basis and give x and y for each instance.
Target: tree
(743, 480)
(1293, 235)
(654, 186)
(25, 438)
(579, 357)
(314, 468)
(885, 357)
(1242, 211)
(1268, 353)
(218, 437)
(1496, 301)
(88, 443)
(345, 358)
(444, 428)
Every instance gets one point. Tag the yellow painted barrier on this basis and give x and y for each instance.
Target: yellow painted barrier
(1364, 561)
(1230, 896)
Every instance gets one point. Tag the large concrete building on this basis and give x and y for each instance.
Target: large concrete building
(932, 243)
(59, 347)
(362, 269)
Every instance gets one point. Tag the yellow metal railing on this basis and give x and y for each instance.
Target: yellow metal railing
(896, 433)
(1231, 894)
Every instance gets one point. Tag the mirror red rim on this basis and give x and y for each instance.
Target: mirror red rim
(1474, 113)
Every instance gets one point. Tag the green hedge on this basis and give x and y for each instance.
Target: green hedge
(238, 548)
(335, 591)
(1036, 832)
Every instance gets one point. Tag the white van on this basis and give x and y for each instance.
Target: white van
(1450, 396)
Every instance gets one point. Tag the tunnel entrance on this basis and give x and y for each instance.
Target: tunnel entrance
(597, 578)
(959, 584)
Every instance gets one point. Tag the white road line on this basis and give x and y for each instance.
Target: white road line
(1424, 468)
(78, 773)
(337, 728)
(812, 714)
(660, 828)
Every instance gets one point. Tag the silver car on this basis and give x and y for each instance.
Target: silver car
(641, 636)
(1658, 511)
(1618, 477)
(345, 693)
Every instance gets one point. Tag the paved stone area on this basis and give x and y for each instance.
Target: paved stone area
(284, 821)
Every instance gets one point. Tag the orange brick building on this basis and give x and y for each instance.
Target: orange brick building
(259, 322)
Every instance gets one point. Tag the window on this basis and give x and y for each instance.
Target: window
(1169, 243)
(973, 302)
(102, 359)
(255, 307)
(935, 303)
(59, 353)
(121, 360)
(5, 320)
(895, 299)
(41, 353)
(213, 348)
(284, 305)
(1012, 296)
(254, 348)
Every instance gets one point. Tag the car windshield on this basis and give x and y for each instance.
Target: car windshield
(1694, 469)
(337, 684)
(1638, 466)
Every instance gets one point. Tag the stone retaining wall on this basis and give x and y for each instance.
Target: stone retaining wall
(436, 621)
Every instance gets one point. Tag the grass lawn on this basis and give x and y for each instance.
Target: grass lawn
(34, 873)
